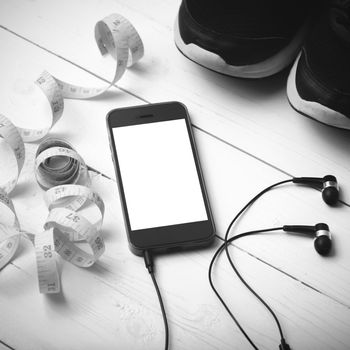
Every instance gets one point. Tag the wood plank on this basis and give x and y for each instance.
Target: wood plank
(252, 115)
(113, 304)
(26, 105)
(231, 177)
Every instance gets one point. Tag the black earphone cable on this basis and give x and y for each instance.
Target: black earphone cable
(218, 251)
(149, 265)
(228, 255)
(251, 202)
(225, 245)
(243, 280)
(284, 345)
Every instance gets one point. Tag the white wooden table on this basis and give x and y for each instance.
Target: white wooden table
(248, 138)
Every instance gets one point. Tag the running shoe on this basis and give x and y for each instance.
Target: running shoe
(242, 38)
(319, 82)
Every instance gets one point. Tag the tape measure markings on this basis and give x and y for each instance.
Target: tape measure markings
(13, 138)
(64, 227)
(49, 281)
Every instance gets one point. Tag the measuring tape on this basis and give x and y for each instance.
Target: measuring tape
(61, 171)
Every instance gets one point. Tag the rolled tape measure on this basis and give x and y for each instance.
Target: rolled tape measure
(61, 171)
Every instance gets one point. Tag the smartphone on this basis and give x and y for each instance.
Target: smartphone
(162, 191)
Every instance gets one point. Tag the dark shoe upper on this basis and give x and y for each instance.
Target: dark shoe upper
(323, 72)
(242, 32)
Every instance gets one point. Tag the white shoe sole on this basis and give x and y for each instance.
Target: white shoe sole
(312, 109)
(262, 69)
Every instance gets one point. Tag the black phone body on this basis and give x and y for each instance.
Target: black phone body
(160, 182)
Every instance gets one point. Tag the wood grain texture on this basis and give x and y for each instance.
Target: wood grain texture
(113, 304)
(231, 177)
(251, 115)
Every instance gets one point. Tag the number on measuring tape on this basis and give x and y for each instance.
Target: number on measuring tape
(65, 194)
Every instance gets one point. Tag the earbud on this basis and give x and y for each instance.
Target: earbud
(328, 185)
(322, 241)
(330, 190)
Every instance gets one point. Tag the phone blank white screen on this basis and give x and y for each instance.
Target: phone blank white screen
(159, 175)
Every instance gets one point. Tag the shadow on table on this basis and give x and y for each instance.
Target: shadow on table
(22, 189)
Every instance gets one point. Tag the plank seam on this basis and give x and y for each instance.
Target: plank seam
(148, 102)
(5, 344)
(199, 129)
(72, 63)
(255, 157)
(287, 274)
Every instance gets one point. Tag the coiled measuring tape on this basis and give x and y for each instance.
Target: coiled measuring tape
(61, 171)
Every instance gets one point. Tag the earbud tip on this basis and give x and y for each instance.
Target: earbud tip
(323, 245)
(330, 195)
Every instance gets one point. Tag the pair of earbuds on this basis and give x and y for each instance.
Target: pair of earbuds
(330, 195)
(320, 232)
